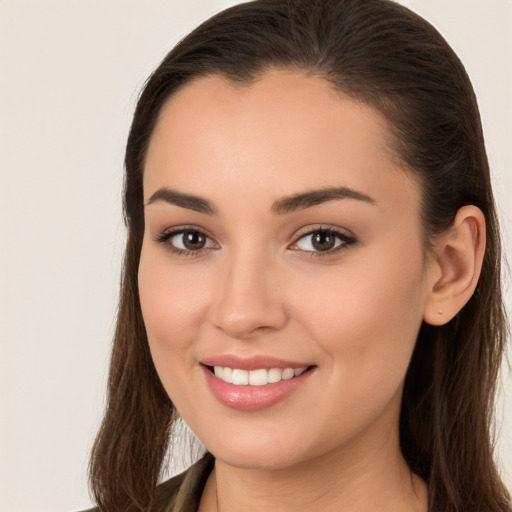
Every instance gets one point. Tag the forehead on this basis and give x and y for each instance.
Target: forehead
(284, 133)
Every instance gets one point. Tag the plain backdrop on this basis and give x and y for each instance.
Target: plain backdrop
(70, 72)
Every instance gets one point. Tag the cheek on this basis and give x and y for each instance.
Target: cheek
(171, 305)
(169, 298)
(366, 315)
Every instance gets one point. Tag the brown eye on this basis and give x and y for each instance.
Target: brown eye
(193, 240)
(326, 241)
(183, 241)
(323, 240)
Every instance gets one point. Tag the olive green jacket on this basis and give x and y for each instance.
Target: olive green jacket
(181, 493)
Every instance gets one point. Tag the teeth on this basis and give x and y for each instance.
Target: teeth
(258, 377)
(240, 377)
(288, 373)
(227, 374)
(274, 375)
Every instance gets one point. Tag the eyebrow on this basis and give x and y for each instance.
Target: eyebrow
(282, 206)
(315, 197)
(188, 201)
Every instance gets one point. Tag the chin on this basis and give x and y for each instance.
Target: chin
(257, 452)
(256, 461)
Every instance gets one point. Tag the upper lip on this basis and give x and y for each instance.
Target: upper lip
(251, 363)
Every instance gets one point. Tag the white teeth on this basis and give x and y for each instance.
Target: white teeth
(227, 374)
(258, 377)
(274, 375)
(288, 373)
(240, 377)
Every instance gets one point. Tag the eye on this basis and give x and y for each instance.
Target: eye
(322, 240)
(186, 241)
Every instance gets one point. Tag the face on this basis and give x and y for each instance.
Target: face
(282, 252)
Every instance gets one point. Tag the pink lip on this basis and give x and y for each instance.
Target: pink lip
(251, 363)
(253, 398)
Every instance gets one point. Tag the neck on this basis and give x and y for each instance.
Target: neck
(365, 474)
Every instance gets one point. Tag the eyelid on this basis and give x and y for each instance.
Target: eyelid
(307, 230)
(166, 235)
(347, 239)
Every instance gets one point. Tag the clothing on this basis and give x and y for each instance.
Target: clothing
(186, 489)
(183, 492)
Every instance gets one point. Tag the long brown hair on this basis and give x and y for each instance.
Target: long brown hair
(382, 54)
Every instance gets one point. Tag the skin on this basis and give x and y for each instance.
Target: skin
(259, 288)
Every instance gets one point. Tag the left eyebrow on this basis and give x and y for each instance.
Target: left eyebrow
(315, 197)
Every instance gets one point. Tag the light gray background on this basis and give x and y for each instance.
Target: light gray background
(70, 72)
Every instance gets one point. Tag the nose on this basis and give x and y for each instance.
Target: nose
(249, 301)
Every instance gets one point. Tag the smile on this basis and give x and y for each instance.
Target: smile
(255, 383)
(258, 377)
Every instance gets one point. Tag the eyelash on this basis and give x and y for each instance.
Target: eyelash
(165, 237)
(346, 241)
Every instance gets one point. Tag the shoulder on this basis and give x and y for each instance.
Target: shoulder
(181, 492)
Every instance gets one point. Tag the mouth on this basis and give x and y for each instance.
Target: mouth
(256, 377)
(257, 387)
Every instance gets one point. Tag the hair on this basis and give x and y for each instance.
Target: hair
(381, 54)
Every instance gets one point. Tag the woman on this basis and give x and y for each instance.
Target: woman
(312, 271)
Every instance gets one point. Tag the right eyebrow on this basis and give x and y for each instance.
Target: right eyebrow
(188, 201)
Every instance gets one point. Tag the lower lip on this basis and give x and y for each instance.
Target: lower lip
(252, 398)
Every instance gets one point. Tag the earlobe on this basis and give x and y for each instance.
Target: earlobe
(455, 266)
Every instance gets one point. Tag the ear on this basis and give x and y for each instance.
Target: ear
(454, 267)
